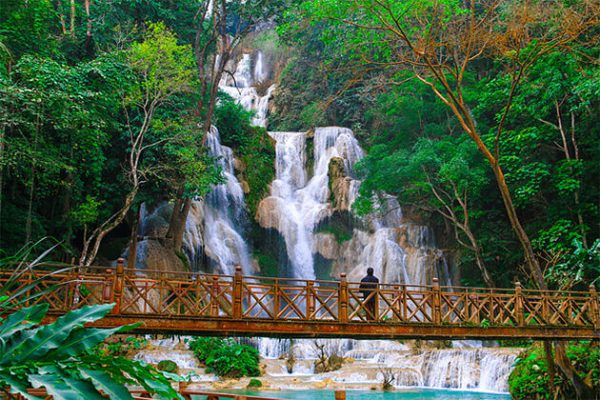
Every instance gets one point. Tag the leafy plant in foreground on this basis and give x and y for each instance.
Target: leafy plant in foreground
(60, 357)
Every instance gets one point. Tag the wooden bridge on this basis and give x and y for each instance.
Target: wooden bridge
(225, 305)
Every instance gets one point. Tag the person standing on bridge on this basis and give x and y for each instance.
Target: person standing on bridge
(368, 289)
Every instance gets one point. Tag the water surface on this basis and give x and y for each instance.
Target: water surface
(399, 394)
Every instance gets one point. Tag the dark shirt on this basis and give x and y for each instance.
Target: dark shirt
(367, 284)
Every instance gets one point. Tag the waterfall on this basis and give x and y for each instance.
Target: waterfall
(260, 71)
(309, 206)
(224, 215)
(243, 86)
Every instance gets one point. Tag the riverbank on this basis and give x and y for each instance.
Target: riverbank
(366, 364)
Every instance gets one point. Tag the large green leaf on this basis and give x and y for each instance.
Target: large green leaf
(55, 386)
(84, 339)
(16, 386)
(64, 384)
(103, 381)
(37, 342)
(153, 381)
(84, 388)
(22, 319)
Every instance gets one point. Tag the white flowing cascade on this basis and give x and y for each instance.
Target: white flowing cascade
(224, 212)
(300, 203)
(248, 73)
(300, 199)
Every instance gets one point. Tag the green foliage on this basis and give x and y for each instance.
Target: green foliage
(60, 357)
(530, 379)
(225, 357)
(167, 366)
(341, 235)
(252, 145)
(269, 266)
(577, 267)
(254, 383)
(121, 346)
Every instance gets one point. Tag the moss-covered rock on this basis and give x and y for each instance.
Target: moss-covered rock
(167, 366)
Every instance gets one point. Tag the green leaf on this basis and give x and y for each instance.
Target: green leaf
(38, 342)
(85, 389)
(55, 386)
(16, 386)
(103, 381)
(81, 340)
(23, 319)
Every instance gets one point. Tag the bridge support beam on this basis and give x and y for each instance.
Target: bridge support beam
(595, 307)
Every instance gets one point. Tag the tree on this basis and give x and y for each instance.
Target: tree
(221, 26)
(163, 69)
(439, 41)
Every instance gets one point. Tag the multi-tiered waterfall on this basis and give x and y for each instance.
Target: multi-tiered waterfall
(309, 213)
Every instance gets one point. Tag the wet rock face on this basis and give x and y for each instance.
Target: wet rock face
(154, 256)
(339, 185)
(327, 246)
(268, 214)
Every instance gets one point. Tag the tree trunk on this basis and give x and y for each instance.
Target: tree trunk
(72, 31)
(581, 389)
(61, 16)
(177, 223)
(88, 255)
(530, 258)
(2, 134)
(551, 368)
(88, 32)
(132, 256)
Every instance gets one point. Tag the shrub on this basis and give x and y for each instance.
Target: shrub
(167, 366)
(226, 357)
(202, 347)
(254, 383)
(530, 379)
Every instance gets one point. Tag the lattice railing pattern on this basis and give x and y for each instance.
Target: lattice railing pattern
(237, 297)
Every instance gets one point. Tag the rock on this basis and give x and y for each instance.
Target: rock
(245, 186)
(339, 184)
(153, 255)
(268, 212)
(239, 165)
(327, 245)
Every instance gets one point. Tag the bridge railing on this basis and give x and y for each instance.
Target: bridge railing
(237, 297)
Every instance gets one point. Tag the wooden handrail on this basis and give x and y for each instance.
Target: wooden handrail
(189, 296)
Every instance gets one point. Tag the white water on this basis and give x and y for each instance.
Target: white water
(400, 251)
(224, 214)
(250, 71)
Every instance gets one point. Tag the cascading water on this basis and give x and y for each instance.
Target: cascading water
(248, 72)
(313, 191)
(224, 215)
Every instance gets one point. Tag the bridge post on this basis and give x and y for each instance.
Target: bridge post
(595, 308)
(107, 287)
(237, 293)
(396, 303)
(214, 304)
(343, 299)
(310, 300)
(520, 314)
(118, 286)
(437, 302)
